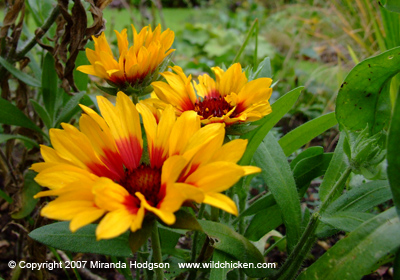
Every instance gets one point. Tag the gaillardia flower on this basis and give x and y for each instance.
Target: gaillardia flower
(229, 99)
(98, 172)
(137, 65)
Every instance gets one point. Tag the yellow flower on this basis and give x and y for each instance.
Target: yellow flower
(97, 171)
(136, 64)
(229, 99)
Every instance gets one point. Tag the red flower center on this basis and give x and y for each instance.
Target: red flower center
(212, 107)
(147, 181)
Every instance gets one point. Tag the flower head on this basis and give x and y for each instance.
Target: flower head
(229, 99)
(136, 64)
(98, 172)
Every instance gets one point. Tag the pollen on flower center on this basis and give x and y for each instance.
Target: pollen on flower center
(146, 180)
(212, 107)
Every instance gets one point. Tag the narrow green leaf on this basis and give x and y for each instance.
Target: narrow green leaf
(393, 6)
(393, 158)
(220, 273)
(310, 168)
(29, 80)
(42, 113)
(346, 220)
(279, 109)
(363, 97)
(263, 222)
(230, 242)
(11, 115)
(264, 70)
(29, 143)
(310, 152)
(306, 132)
(28, 203)
(312, 165)
(49, 84)
(362, 198)
(336, 167)
(5, 196)
(58, 235)
(69, 109)
(277, 174)
(352, 257)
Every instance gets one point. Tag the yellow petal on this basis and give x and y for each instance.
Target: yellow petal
(109, 195)
(231, 151)
(221, 201)
(216, 177)
(166, 216)
(85, 218)
(61, 175)
(184, 128)
(114, 224)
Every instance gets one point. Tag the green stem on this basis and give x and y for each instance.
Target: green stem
(294, 261)
(245, 41)
(333, 191)
(214, 214)
(296, 258)
(196, 234)
(39, 33)
(256, 47)
(135, 99)
(157, 255)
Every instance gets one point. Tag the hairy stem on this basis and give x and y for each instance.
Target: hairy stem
(157, 255)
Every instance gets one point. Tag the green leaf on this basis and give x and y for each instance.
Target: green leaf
(264, 70)
(109, 90)
(42, 113)
(346, 220)
(393, 158)
(49, 84)
(392, 5)
(185, 220)
(5, 196)
(310, 152)
(312, 165)
(11, 115)
(263, 222)
(306, 132)
(232, 243)
(336, 167)
(29, 143)
(278, 176)
(220, 273)
(69, 109)
(82, 79)
(279, 109)
(310, 168)
(139, 237)
(362, 198)
(363, 98)
(30, 81)
(28, 203)
(58, 235)
(352, 257)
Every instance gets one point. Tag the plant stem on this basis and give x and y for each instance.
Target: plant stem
(338, 184)
(295, 259)
(246, 41)
(39, 33)
(293, 262)
(196, 234)
(157, 255)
